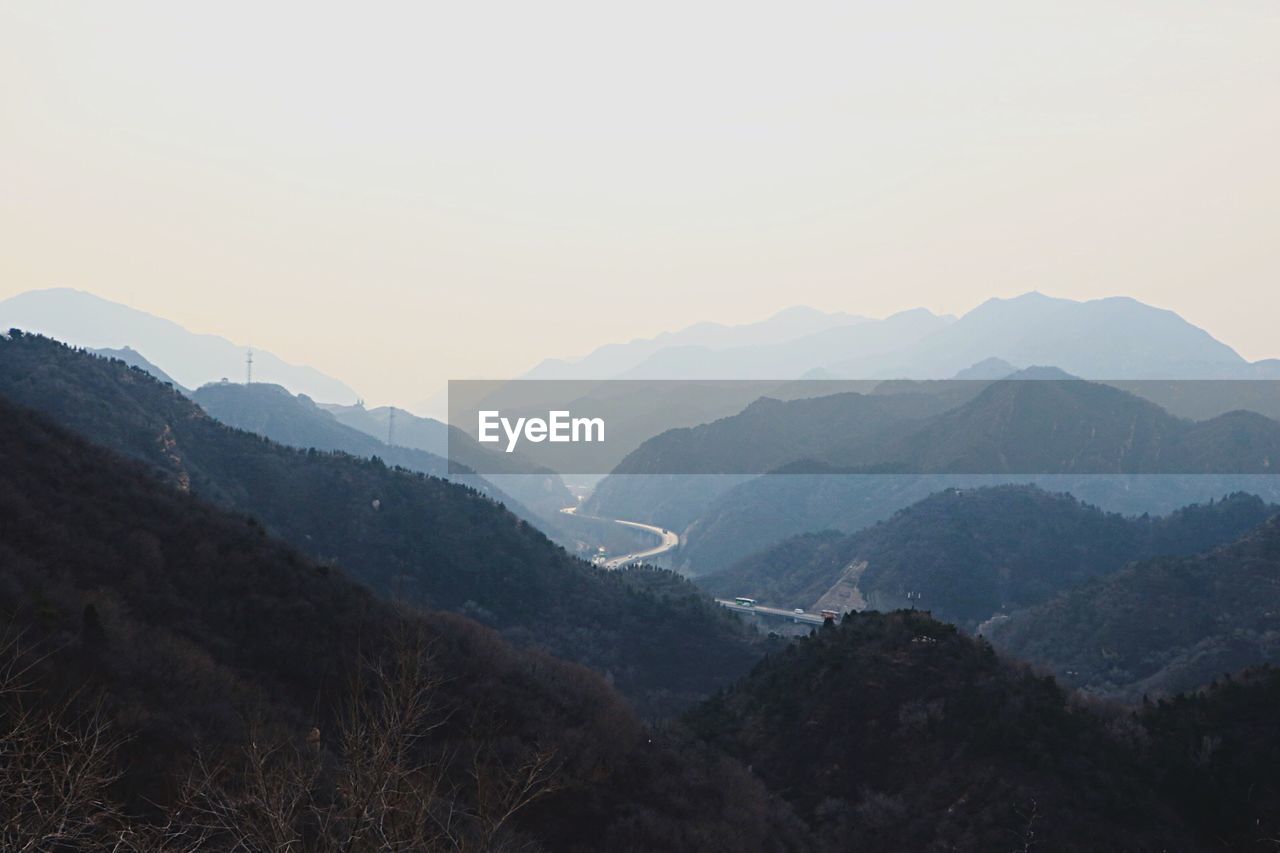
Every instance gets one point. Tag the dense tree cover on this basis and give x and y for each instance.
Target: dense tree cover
(1215, 754)
(536, 496)
(892, 731)
(975, 553)
(225, 658)
(418, 539)
(895, 732)
(271, 411)
(761, 513)
(1161, 625)
(210, 686)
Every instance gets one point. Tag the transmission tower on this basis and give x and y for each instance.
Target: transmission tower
(391, 427)
(248, 367)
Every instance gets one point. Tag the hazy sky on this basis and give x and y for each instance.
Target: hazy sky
(402, 193)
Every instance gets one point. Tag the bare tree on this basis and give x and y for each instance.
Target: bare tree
(378, 785)
(504, 788)
(57, 765)
(1027, 833)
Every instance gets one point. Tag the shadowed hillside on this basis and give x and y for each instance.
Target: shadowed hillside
(202, 651)
(1099, 443)
(418, 539)
(1162, 625)
(975, 553)
(895, 732)
(892, 731)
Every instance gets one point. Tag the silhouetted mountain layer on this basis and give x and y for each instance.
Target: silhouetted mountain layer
(85, 320)
(1073, 427)
(664, 480)
(133, 358)
(1161, 625)
(420, 539)
(1109, 338)
(197, 631)
(974, 553)
(1050, 426)
(613, 360)
(864, 342)
(1113, 338)
(850, 465)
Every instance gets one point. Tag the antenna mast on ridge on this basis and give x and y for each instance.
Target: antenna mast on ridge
(248, 367)
(391, 427)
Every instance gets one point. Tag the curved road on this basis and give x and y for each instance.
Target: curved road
(667, 540)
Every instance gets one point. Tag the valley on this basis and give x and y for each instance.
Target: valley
(922, 615)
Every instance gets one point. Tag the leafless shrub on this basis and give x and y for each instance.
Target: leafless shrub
(379, 786)
(57, 765)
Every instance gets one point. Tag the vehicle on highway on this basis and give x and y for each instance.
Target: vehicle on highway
(744, 602)
(799, 611)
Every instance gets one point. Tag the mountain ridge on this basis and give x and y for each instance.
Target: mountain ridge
(415, 538)
(1161, 625)
(971, 554)
(193, 359)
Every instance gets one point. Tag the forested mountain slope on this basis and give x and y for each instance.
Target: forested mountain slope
(892, 731)
(1161, 625)
(178, 632)
(419, 539)
(974, 553)
(895, 732)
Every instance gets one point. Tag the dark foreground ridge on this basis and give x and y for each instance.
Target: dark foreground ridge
(893, 731)
(246, 694)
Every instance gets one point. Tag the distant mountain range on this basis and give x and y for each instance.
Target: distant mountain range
(973, 554)
(84, 320)
(133, 358)
(1114, 338)
(795, 357)
(613, 360)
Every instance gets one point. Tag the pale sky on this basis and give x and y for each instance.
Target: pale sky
(398, 194)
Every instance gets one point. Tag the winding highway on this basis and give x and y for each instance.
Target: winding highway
(667, 540)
